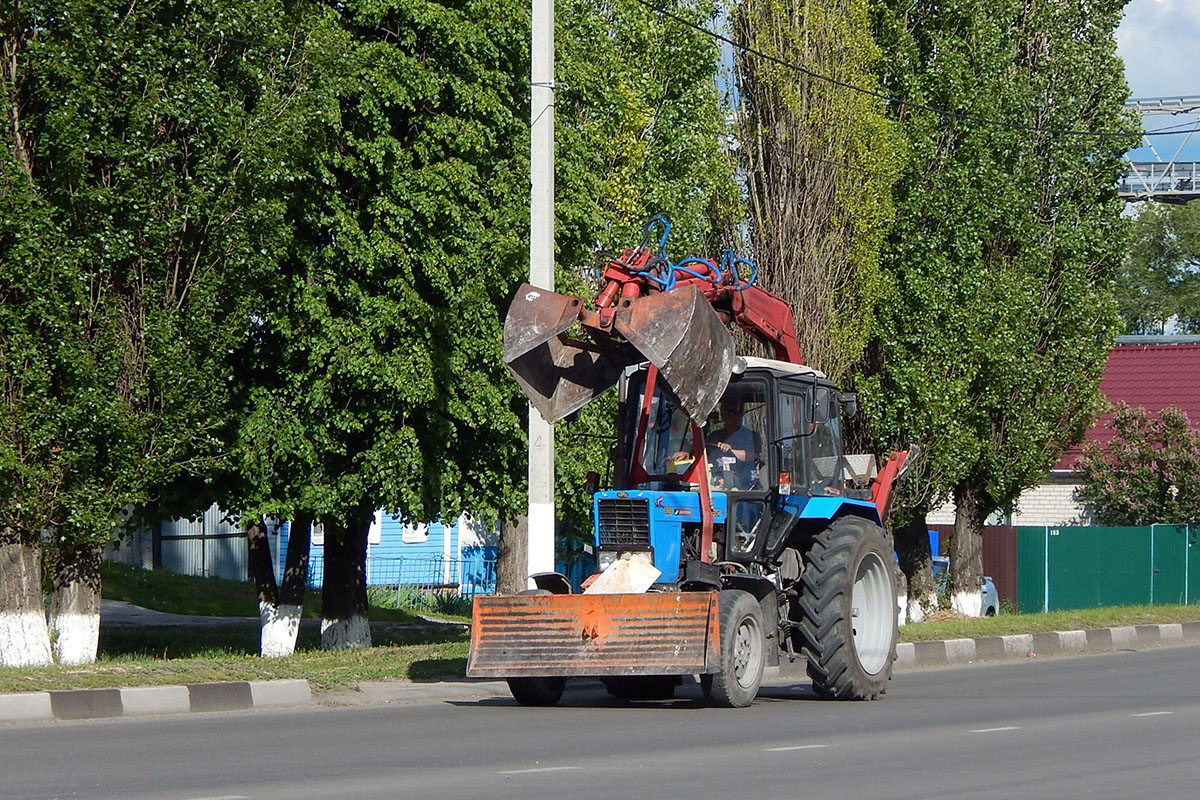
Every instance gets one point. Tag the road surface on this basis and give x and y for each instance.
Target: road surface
(1107, 726)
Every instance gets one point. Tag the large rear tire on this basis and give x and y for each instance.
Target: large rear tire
(847, 611)
(743, 651)
(537, 691)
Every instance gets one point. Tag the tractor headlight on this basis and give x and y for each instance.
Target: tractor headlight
(606, 558)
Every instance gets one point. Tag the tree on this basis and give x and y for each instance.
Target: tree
(148, 193)
(1159, 285)
(820, 158)
(998, 311)
(382, 383)
(1040, 388)
(1148, 472)
(636, 136)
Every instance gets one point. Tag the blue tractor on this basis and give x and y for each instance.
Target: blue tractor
(738, 532)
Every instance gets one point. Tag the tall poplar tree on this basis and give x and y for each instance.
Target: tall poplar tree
(998, 306)
(819, 156)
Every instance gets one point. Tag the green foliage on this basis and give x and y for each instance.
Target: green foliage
(638, 131)
(1148, 472)
(140, 199)
(998, 310)
(379, 373)
(820, 159)
(636, 136)
(406, 597)
(267, 259)
(381, 380)
(1159, 284)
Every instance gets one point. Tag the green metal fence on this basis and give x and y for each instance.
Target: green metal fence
(1071, 567)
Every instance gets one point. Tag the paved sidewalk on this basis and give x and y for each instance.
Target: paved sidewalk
(119, 614)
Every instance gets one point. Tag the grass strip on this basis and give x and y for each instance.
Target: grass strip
(156, 656)
(1083, 619)
(418, 650)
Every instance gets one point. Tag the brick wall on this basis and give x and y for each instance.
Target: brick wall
(1052, 503)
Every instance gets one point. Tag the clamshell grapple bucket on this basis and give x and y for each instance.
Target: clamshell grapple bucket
(564, 355)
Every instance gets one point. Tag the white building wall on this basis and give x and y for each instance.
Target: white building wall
(1052, 503)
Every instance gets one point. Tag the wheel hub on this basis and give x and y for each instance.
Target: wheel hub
(873, 613)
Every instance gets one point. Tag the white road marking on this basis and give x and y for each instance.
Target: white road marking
(795, 747)
(223, 797)
(1154, 714)
(996, 730)
(536, 769)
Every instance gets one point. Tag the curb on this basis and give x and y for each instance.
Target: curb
(1029, 645)
(143, 700)
(76, 704)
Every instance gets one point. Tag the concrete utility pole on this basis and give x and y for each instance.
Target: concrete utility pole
(541, 273)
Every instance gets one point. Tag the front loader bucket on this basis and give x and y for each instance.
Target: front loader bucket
(679, 333)
(558, 374)
(657, 633)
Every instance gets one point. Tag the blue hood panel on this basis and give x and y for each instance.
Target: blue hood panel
(668, 513)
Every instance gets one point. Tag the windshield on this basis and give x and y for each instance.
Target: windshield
(732, 433)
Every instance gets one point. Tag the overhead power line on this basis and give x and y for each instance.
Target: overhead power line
(890, 98)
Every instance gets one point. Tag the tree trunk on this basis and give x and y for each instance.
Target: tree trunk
(966, 550)
(512, 561)
(295, 563)
(344, 622)
(75, 604)
(24, 636)
(916, 562)
(278, 623)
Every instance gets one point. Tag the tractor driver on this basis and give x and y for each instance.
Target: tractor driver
(731, 450)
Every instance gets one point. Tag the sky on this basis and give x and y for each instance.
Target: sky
(1160, 43)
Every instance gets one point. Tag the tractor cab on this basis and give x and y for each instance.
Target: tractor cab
(771, 445)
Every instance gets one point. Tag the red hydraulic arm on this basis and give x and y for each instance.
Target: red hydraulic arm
(763, 315)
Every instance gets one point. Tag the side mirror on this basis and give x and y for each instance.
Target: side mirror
(849, 405)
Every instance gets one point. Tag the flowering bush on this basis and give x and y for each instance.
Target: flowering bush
(1148, 472)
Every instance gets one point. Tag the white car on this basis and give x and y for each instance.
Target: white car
(989, 599)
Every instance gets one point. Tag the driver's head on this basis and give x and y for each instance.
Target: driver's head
(731, 411)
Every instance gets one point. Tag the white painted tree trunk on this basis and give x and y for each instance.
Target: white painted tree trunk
(24, 635)
(969, 604)
(280, 625)
(920, 608)
(75, 605)
(24, 639)
(345, 634)
(76, 638)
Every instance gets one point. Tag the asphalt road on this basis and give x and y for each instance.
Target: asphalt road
(1109, 726)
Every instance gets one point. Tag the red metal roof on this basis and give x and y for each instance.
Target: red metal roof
(1154, 376)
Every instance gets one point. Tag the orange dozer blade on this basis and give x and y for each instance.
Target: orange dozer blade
(558, 374)
(604, 634)
(678, 332)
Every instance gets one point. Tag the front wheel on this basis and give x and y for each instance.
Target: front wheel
(847, 611)
(743, 651)
(537, 691)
